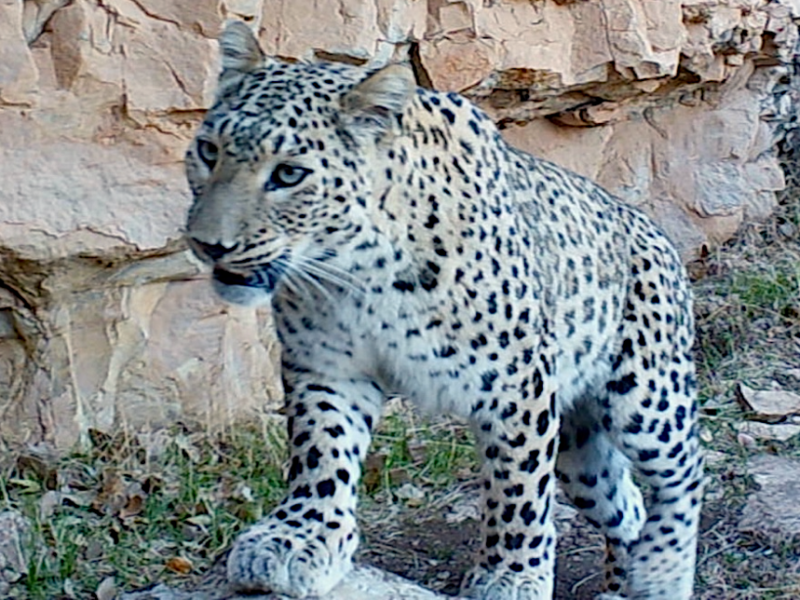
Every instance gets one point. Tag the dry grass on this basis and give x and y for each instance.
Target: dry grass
(746, 304)
(139, 508)
(748, 322)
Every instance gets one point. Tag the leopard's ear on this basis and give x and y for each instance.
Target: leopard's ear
(239, 49)
(375, 103)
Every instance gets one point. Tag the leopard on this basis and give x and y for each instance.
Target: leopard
(405, 248)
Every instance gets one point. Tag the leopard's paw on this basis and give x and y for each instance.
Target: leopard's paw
(504, 584)
(298, 556)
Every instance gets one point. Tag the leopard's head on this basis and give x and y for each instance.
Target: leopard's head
(282, 167)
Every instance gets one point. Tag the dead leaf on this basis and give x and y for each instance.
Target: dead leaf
(418, 452)
(466, 507)
(769, 406)
(133, 507)
(119, 496)
(29, 485)
(715, 457)
(411, 494)
(180, 565)
(94, 550)
(373, 471)
(48, 503)
(243, 491)
(80, 499)
(398, 476)
(200, 520)
(111, 498)
(69, 589)
(14, 554)
(41, 466)
(698, 269)
(464, 474)
(187, 447)
(155, 443)
(107, 590)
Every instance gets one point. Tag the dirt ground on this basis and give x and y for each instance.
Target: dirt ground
(426, 546)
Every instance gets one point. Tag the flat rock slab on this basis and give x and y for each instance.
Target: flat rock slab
(363, 583)
(773, 511)
(769, 406)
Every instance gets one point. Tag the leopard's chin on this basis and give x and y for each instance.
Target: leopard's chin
(241, 295)
(245, 290)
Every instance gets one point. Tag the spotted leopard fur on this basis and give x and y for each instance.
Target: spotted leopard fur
(406, 248)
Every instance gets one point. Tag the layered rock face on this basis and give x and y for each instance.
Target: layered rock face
(105, 321)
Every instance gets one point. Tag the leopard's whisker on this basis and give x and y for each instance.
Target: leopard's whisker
(312, 281)
(319, 271)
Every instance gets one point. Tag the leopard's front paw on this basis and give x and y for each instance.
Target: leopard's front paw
(299, 555)
(504, 584)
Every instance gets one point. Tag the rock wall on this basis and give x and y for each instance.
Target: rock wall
(105, 321)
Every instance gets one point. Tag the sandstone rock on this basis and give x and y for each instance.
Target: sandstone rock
(676, 157)
(363, 583)
(676, 106)
(18, 74)
(130, 346)
(36, 14)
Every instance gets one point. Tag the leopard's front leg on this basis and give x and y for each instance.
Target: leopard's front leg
(305, 546)
(516, 433)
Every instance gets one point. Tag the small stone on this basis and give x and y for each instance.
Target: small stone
(746, 440)
(773, 511)
(787, 229)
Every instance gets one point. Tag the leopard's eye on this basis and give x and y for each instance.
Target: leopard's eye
(285, 176)
(208, 153)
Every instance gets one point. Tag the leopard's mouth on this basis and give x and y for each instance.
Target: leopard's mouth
(266, 277)
(247, 287)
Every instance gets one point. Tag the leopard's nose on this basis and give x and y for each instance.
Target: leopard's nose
(207, 251)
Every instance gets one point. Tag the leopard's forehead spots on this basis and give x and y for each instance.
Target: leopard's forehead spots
(280, 96)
